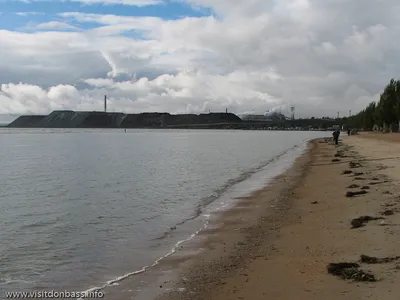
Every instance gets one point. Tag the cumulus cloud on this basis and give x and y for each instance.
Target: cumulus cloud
(251, 55)
(189, 91)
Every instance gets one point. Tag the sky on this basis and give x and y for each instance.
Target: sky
(194, 56)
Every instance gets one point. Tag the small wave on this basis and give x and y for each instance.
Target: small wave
(145, 268)
(168, 232)
(7, 281)
(231, 182)
(42, 223)
(220, 191)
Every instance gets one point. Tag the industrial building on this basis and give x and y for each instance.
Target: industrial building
(267, 117)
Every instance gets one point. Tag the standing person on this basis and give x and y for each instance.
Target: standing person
(348, 131)
(336, 136)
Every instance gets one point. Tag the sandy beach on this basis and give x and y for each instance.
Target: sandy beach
(278, 243)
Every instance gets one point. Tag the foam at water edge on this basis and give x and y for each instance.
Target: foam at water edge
(223, 204)
(225, 190)
(172, 251)
(259, 179)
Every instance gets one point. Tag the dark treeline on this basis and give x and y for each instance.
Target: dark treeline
(383, 115)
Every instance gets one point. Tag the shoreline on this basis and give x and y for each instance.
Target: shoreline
(165, 271)
(296, 226)
(227, 240)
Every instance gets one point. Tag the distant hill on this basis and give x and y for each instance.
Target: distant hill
(85, 119)
(72, 119)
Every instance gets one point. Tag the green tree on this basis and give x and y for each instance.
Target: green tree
(385, 112)
(388, 104)
(368, 116)
(397, 105)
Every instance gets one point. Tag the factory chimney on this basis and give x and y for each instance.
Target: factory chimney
(105, 103)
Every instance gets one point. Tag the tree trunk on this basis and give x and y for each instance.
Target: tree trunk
(385, 128)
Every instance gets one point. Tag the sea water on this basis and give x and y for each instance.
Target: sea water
(88, 208)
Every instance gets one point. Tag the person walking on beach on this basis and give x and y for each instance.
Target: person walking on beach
(348, 131)
(336, 136)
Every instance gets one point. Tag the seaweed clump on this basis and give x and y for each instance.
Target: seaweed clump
(375, 260)
(354, 165)
(353, 186)
(350, 271)
(360, 222)
(355, 193)
(388, 212)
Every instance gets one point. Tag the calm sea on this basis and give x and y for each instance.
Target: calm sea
(80, 208)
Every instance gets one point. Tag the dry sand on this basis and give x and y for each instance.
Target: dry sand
(277, 243)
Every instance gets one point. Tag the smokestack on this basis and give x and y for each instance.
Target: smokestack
(226, 110)
(292, 108)
(105, 103)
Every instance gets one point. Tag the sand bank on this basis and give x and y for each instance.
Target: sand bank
(277, 243)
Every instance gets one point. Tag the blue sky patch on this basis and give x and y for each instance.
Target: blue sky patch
(16, 15)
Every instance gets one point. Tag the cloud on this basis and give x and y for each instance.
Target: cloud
(52, 25)
(189, 91)
(138, 3)
(250, 55)
(28, 13)
(120, 2)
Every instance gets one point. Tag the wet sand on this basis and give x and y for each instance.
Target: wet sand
(277, 243)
